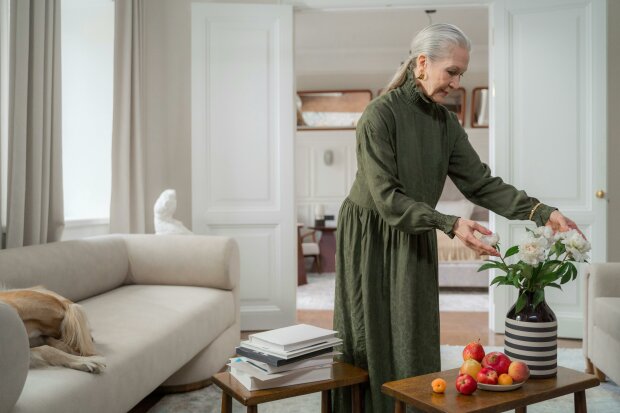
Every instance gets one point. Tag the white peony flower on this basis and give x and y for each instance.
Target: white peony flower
(576, 245)
(491, 240)
(545, 233)
(532, 250)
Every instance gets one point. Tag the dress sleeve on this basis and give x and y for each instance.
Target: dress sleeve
(399, 210)
(474, 180)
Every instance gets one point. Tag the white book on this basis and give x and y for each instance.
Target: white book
(310, 362)
(302, 376)
(331, 342)
(292, 337)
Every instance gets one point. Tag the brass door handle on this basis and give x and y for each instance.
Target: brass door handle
(600, 194)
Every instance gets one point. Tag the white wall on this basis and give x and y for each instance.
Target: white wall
(316, 182)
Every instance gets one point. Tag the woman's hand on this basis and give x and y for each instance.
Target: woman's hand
(558, 222)
(464, 230)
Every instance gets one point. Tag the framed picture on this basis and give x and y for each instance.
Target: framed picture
(480, 107)
(331, 109)
(455, 102)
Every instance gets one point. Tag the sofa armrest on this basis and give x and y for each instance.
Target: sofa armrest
(14, 357)
(601, 280)
(195, 260)
(604, 280)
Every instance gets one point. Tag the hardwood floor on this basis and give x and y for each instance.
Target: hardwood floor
(456, 328)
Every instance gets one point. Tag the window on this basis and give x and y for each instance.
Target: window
(87, 44)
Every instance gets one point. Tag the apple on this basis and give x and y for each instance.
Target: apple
(471, 367)
(487, 376)
(473, 350)
(519, 371)
(465, 384)
(497, 361)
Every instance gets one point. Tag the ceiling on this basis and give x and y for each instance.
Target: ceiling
(391, 28)
(375, 41)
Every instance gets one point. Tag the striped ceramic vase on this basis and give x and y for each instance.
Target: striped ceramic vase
(532, 337)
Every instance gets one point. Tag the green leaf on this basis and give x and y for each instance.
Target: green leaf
(526, 270)
(500, 280)
(547, 278)
(511, 251)
(566, 277)
(554, 285)
(489, 265)
(520, 303)
(539, 296)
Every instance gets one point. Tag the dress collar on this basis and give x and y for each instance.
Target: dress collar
(414, 92)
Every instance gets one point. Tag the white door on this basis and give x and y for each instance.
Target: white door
(242, 149)
(548, 75)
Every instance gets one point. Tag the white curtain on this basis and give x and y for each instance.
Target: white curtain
(127, 209)
(35, 211)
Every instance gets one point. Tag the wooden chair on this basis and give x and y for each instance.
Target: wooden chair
(310, 248)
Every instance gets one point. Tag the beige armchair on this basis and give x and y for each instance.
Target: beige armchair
(601, 339)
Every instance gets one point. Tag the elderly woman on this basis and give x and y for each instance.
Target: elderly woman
(387, 298)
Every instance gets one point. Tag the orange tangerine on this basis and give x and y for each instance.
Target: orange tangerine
(438, 385)
(504, 380)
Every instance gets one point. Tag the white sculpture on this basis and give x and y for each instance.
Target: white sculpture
(164, 209)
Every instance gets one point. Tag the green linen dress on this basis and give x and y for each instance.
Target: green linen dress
(387, 300)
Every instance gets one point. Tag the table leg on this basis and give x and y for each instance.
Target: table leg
(326, 401)
(327, 245)
(252, 409)
(400, 407)
(226, 403)
(356, 398)
(522, 409)
(580, 402)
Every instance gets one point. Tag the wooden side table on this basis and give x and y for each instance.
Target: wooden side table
(344, 375)
(327, 245)
(416, 391)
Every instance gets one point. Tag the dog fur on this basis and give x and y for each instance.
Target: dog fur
(57, 329)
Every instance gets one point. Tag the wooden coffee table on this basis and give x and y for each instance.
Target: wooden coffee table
(416, 391)
(344, 375)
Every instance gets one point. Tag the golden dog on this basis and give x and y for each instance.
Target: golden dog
(57, 328)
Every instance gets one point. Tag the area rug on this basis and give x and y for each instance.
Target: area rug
(318, 294)
(604, 398)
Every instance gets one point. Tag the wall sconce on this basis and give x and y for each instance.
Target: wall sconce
(328, 157)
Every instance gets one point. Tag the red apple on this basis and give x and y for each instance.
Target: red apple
(473, 350)
(497, 361)
(519, 371)
(487, 376)
(465, 384)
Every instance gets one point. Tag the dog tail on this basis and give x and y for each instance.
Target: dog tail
(75, 331)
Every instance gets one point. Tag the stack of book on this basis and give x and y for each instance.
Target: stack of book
(285, 356)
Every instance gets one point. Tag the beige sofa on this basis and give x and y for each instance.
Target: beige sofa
(601, 340)
(164, 309)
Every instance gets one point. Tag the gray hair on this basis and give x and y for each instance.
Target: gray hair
(435, 42)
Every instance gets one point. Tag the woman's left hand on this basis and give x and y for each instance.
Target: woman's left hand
(558, 222)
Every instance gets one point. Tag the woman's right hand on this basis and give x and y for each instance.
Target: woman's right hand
(464, 230)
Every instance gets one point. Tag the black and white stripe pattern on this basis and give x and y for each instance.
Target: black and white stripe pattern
(535, 344)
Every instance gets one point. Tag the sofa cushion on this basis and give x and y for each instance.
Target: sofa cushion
(607, 315)
(145, 332)
(73, 269)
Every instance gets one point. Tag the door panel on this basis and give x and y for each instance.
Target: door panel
(242, 149)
